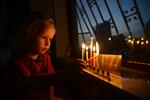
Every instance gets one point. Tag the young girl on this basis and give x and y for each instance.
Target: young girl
(30, 74)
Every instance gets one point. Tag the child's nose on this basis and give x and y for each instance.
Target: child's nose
(47, 42)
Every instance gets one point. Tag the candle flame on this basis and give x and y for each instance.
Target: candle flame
(146, 41)
(97, 48)
(138, 42)
(83, 46)
(142, 43)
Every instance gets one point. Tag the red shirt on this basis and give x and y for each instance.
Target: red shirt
(21, 67)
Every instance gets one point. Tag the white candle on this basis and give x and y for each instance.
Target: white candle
(97, 53)
(97, 48)
(87, 56)
(91, 47)
(94, 57)
(83, 51)
(91, 51)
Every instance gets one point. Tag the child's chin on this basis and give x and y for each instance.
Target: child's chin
(43, 52)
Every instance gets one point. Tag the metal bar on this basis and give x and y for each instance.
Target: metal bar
(99, 11)
(81, 29)
(131, 14)
(113, 21)
(140, 17)
(124, 17)
(111, 16)
(84, 20)
(84, 33)
(90, 6)
(87, 16)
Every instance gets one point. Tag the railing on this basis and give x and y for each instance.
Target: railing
(91, 16)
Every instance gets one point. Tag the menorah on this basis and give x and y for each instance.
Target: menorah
(101, 64)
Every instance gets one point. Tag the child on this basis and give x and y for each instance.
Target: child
(30, 74)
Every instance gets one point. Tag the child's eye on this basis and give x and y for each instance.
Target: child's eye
(50, 40)
(43, 37)
(46, 38)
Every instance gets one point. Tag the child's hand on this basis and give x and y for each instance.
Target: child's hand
(73, 69)
(80, 62)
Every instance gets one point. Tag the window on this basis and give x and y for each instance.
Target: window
(113, 23)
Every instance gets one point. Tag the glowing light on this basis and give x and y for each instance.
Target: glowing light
(91, 47)
(87, 55)
(83, 46)
(129, 40)
(146, 41)
(83, 50)
(94, 49)
(137, 42)
(94, 55)
(129, 36)
(142, 38)
(97, 48)
(142, 43)
(132, 42)
(109, 39)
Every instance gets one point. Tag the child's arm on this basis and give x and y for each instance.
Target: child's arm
(39, 81)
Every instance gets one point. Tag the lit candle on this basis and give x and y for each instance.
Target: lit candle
(97, 48)
(94, 57)
(83, 51)
(97, 53)
(91, 47)
(87, 55)
(91, 50)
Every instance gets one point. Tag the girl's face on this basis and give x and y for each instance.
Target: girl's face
(44, 40)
